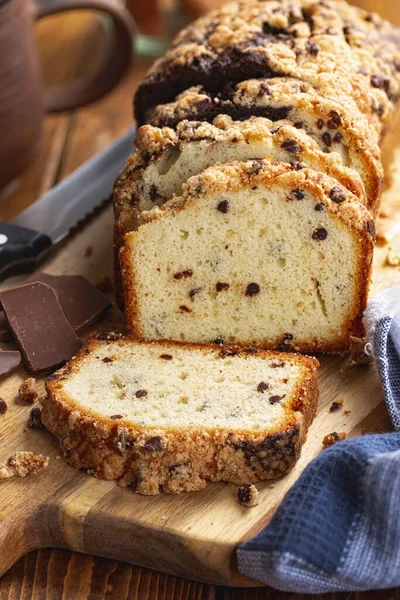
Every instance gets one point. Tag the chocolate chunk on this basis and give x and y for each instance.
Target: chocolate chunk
(229, 351)
(114, 417)
(291, 146)
(108, 360)
(298, 194)
(312, 47)
(35, 418)
(3, 406)
(9, 361)
(338, 137)
(277, 365)
(256, 167)
(327, 138)
(252, 289)
(183, 274)
(275, 399)
(166, 356)
(222, 287)
(39, 326)
(380, 82)
(337, 194)
(335, 120)
(320, 206)
(141, 394)
(320, 124)
(320, 234)
(80, 301)
(262, 386)
(287, 337)
(223, 206)
(370, 228)
(251, 350)
(297, 165)
(218, 341)
(336, 405)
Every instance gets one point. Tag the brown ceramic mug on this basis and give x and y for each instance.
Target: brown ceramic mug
(23, 102)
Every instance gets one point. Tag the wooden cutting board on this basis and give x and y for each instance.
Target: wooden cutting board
(190, 535)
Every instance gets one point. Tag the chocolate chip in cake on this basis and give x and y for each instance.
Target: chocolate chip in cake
(275, 399)
(141, 393)
(223, 206)
(251, 350)
(35, 418)
(337, 195)
(252, 289)
(320, 124)
(114, 417)
(370, 228)
(184, 308)
(154, 444)
(298, 194)
(218, 341)
(195, 291)
(256, 167)
(380, 82)
(298, 166)
(277, 365)
(166, 356)
(183, 274)
(312, 47)
(291, 146)
(3, 406)
(327, 138)
(338, 137)
(108, 360)
(320, 234)
(320, 206)
(222, 287)
(262, 386)
(298, 124)
(335, 120)
(229, 351)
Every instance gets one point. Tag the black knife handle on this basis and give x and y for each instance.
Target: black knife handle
(21, 248)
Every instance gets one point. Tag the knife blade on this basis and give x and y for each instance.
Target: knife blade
(27, 239)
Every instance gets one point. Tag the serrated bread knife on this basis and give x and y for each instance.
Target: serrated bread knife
(27, 239)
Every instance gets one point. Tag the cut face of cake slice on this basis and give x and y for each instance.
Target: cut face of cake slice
(336, 126)
(144, 413)
(252, 253)
(166, 158)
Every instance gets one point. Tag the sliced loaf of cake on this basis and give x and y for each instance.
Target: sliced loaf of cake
(252, 253)
(165, 159)
(144, 413)
(335, 125)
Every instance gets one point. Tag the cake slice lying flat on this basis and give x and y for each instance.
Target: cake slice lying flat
(335, 124)
(252, 253)
(165, 159)
(160, 416)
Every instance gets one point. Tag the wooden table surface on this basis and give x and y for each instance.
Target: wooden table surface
(69, 139)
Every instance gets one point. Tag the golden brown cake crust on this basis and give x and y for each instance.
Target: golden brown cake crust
(151, 460)
(235, 176)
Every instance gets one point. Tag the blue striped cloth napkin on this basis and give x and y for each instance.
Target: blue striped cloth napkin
(338, 527)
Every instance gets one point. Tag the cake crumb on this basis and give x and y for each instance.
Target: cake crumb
(392, 258)
(89, 251)
(3, 406)
(347, 412)
(22, 464)
(27, 390)
(332, 438)
(35, 418)
(248, 495)
(357, 349)
(104, 284)
(381, 239)
(336, 405)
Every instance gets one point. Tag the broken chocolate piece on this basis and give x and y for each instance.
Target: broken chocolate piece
(81, 302)
(9, 361)
(39, 326)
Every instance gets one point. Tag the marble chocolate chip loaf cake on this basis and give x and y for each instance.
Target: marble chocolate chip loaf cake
(143, 414)
(252, 253)
(274, 109)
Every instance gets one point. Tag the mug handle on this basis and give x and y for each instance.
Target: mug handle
(117, 58)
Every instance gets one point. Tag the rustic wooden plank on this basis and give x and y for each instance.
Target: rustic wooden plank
(54, 574)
